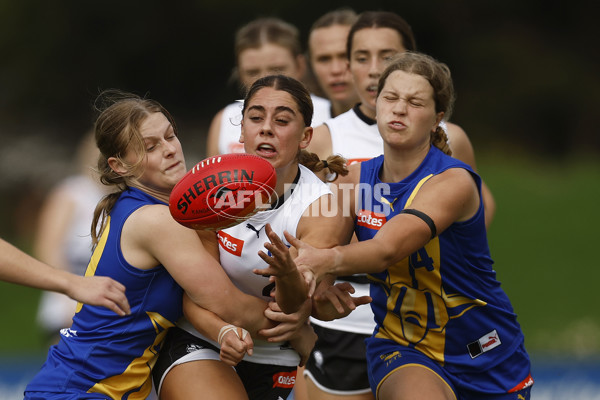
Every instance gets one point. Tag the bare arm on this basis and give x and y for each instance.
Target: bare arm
(462, 149)
(22, 269)
(234, 343)
(401, 235)
(158, 239)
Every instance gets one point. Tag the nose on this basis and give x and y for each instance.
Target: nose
(169, 148)
(374, 68)
(399, 107)
(339, 67)
(266, 128)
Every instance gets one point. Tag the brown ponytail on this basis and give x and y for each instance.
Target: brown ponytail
(439, 139)
(336, 165)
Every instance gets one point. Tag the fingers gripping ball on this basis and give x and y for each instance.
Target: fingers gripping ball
(222, 191)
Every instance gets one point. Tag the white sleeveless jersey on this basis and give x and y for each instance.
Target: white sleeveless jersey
(238, 252)
(355, 137)
(229, 136)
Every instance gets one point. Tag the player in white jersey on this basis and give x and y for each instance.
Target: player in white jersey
(264, 46)
(373, 39)
(230, 119)
(276, 126)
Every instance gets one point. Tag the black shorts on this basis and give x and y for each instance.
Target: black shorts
(261, 381)
(338, 363)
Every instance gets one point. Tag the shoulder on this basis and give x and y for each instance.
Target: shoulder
(460, 144)
(320, 142)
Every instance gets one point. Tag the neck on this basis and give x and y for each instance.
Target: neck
(340, 107)
(398, 163)
(285, 176)
(368, 111)
(160, 195)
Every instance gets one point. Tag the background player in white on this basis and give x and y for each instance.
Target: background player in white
(328, 59)
(264, 46)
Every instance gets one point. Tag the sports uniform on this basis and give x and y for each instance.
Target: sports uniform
(442, 306)
(104, 355)
(231, 120)
(270, 372)
(338, 363)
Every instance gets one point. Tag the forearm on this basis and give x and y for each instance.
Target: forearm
(237, 309)
(290, 291)
(20, 268)
(204, 321)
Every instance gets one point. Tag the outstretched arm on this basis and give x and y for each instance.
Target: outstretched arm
(401, 235)
(20, 268)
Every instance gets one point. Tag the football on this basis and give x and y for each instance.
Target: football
(222, 191)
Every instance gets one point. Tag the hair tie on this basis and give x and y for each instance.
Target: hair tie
(325, 163)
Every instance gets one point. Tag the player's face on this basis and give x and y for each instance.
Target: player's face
(273, 127)
(371, 49)
(330, 63)
(406, 114)
(268, 59)
(163, 164)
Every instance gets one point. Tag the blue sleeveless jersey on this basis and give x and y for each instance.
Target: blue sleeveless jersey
(102, 353)
(443, 300)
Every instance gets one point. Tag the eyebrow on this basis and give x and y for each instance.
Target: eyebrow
(277, 109)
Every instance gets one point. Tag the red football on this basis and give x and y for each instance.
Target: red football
(223, 191)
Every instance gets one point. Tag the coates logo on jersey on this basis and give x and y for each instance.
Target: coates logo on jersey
(284, 380)
(230, 244)
(370, 219)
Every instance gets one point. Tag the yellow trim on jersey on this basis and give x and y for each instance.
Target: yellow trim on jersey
(139, 373)
(93, 264)
(413, 365)
(416, 189)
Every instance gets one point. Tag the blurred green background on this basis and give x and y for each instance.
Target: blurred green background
(527, 80)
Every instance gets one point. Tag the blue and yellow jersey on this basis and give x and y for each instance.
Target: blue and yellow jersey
(444, 299)
(103, 353)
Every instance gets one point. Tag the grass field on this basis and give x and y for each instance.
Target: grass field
(542, 240)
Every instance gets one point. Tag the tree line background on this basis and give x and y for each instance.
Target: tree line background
(526, 74)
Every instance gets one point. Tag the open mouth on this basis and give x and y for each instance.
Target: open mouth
(265, 150)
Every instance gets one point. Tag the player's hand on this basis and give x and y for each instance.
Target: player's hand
(235, 343)
(313, 263)
(337, 302)
(99, 291)
(288, 325)
(280, 262)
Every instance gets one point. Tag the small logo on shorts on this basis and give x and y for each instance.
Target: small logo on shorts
(390, 357)
(193, 347)
(485, 343)
(284, 380)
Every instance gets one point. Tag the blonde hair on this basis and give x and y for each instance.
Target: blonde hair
(117, 130)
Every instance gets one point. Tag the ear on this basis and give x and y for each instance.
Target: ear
(306, 138)
(438, 118)
(116, 165)
(241, 139)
